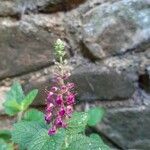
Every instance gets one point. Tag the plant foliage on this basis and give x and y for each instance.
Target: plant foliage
(16, 101)
(32, 134)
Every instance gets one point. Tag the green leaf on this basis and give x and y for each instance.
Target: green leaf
(15, 93)
(77, 123)
(82, 142)
(13, 100)
(5, 135)
(34, 115)
(5, 146)
(24, 131)
(11, 107)
(95, 116)
(29, 99)
(42, 141)
(96, 137)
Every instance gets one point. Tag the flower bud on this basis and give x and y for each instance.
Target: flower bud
(59, 100)
(58, 122)
(52, 131)
(62, 112)
(69, 110)
(49, 107)
(70, 99)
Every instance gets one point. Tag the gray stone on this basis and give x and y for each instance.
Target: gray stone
(18, 8)
(128, 127)
(7, 8)
(25, 45)
(95, 84)
(114, 28)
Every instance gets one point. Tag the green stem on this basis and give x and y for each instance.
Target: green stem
(61, 60)
(19, 117)
(66, 143)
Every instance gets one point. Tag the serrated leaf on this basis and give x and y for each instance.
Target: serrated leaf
(29, 99)
(96, 137)
(34, 115)
(77, 123)
(95, 115)
(5, 135)
(82, 142)
(11, 107)
(24, 131)
(42, 141)
(16, 93)
(13, 99)
(11, 111)
(5, 146)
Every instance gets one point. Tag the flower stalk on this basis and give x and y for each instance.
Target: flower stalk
(61, 97)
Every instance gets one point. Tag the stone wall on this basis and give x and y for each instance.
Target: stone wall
(108, 45)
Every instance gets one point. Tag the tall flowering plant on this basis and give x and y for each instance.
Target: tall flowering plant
(61, 97)
(60, 127)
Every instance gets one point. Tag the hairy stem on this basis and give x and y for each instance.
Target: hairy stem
(19, 117)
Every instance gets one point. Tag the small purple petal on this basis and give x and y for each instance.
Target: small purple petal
(54, 89)
(50, 94)
(49, 107)
(52, 131)
(48, 117)
(64, 89)
(70, 99)
(70, 85)
(59, 122)
(62, 112)
(59, 100)
(69, 110)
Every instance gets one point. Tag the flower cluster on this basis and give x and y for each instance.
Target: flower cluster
(60, 102)
(61, 98)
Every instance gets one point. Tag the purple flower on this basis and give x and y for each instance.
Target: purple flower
(49, 107)
(58, 122)
(59, 100)
(70, 85)
(52, 131)
(54, 89)
(48, 117)
(69, 110)
(64, 89)
(62, 112)
(49, 97)
(71, 99)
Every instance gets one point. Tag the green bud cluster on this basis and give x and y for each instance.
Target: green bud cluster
(59, 50)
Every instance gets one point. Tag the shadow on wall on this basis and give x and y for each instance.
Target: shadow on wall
(46, 6)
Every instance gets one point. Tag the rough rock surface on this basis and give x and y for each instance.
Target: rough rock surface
(95, 83)
(108, 45)
(25, 46)
(112, 29)
(127, 127)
